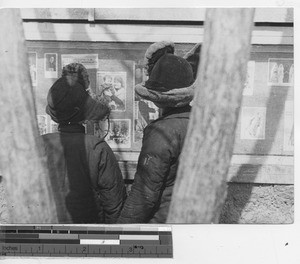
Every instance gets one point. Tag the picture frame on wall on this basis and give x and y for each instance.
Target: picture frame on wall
(32, 60)
(112, 86)
(50, 65)
(253, 123)
(280, 72)
(119, 134)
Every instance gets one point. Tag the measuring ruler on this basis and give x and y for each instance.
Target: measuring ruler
(86, 241)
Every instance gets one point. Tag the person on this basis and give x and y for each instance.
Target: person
(151, 192)
(84, 173)
(119, 93)
(107, 90)
(274, 77)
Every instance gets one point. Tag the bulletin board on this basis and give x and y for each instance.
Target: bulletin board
(265, 125)
(120, 63)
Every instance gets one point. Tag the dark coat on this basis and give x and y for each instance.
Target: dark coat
(85, 177)
(151, 192)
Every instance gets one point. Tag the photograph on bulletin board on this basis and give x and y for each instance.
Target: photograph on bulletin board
(281, 72)
(288, 134)
(50, 65)
(249, 84)
(144, 111)
(253, 123)
(119, 134)
(32, 59)
(112, 87)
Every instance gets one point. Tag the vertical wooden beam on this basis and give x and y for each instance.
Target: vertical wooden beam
(22, 162)
(200, 187)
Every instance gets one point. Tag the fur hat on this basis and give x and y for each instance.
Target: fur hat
(168, 84)
(154, 53)
(72, 103)
(76, 72)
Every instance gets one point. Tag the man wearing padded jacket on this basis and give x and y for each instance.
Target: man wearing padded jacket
(85, 177)
(169, 87)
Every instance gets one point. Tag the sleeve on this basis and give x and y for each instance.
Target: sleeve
(152, 170)
(117, 100)
(111, 185)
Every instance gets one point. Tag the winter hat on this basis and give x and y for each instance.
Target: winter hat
(169, 82)
(170, 72)
(155, 52)
(72, 103)
(76, 72)
(65, 102)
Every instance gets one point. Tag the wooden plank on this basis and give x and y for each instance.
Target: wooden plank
(143, 33)
(265, 174)
(23, 159)
(277, 15)
(181, 48)
(244, 168)
(55, 13)
(239, 173)
(236, 159)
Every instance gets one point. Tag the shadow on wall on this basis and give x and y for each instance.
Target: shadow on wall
(240, 196)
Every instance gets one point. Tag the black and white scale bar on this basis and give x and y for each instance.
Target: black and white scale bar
(94, 241)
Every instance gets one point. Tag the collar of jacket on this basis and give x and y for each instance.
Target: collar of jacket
(174, 112)
(71, 128)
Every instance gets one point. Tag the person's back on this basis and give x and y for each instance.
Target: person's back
(163, 139)
(85, 177)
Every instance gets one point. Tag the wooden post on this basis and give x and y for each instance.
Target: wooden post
(200, 187)
(22, 162)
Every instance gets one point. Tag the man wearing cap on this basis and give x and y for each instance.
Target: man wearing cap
(168, 86)
(85, 177)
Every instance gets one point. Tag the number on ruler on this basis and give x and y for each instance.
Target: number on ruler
(84, 250)
(130, 250)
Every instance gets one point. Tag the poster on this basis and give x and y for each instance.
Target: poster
(112, 86)
(248, 87)
(50, 65)
(139, 73)
(145, 112)
(119, 134)
(42, 124)
(288, 131)
(90, 61)
(253, 122)
(281, 72)
(32, 59)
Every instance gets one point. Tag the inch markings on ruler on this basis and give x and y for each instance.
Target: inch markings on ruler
(86, 241)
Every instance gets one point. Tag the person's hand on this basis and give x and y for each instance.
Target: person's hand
(113, 91)
(108, 92)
